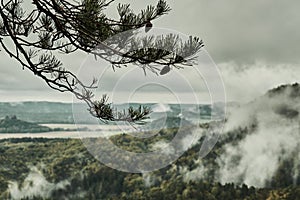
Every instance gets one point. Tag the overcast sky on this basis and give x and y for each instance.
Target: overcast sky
(254, 43)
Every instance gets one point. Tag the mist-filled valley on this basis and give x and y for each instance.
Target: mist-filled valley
(257, 156)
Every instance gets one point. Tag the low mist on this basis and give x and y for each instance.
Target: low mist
(255, 159)
(34, 185)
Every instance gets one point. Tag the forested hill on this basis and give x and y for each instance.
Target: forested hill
(38, 112)
(256, 157)
(64, 169)
(292, 89)
(11, 124)
(14, 125)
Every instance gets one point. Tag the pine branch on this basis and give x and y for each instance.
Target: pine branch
(69, 26)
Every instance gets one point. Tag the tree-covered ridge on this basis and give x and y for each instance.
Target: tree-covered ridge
(256, 158)
(293, 89)
(71, 172)
(14, 125)
(60, 159)
(39, 112)
(11, 124)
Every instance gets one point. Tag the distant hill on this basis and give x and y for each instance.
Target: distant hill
(38, 112)
(62, 113)
(15, 125)
(170, 122)
(11, 124)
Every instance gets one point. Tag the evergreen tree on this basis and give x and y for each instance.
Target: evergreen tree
(67, 26)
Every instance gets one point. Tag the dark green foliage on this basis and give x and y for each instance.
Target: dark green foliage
(67, 159)
(103, 110)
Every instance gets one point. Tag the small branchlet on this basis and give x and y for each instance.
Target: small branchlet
(105, 111)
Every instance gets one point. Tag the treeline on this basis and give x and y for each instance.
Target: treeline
(11, 124)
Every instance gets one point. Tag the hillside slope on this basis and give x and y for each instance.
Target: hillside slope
(257, 157)
(15, 125)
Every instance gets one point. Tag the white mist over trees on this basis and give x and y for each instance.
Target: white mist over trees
(255, 159)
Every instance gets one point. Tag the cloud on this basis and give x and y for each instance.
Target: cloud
(242, 32)
(149, 179)
(234, 33)
(246, 82)
(255, 159)
(265, 135)
(198, 173)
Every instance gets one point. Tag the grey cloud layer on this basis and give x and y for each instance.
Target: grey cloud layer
(242, 31)
(235, 33)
